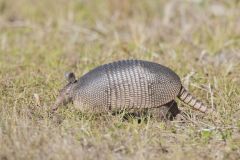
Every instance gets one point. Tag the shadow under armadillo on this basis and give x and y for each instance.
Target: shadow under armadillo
(166, 112)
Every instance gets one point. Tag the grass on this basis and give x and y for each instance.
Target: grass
(40, 40)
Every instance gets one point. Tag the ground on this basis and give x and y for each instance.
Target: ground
(41, 40)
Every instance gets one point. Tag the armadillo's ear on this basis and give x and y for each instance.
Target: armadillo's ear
(70, 76)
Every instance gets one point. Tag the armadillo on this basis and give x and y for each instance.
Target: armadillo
(126, 84)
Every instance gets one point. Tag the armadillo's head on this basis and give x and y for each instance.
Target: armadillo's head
(66, 94)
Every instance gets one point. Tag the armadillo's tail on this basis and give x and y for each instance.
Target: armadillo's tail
(187, 98)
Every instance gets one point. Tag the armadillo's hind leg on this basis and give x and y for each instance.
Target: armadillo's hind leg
(166, 112)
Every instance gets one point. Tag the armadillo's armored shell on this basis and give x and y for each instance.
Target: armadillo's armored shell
(127, 84)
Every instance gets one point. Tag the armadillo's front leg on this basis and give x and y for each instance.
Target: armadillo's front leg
(166, 112)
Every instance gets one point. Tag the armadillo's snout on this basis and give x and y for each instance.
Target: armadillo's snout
(56, 104)
(62, 99)
(66, 93)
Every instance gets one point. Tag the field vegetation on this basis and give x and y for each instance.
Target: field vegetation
(42, 39)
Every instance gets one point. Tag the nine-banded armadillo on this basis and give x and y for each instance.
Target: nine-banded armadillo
(126, 84)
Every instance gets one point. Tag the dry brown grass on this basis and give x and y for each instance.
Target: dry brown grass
(40, 40)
